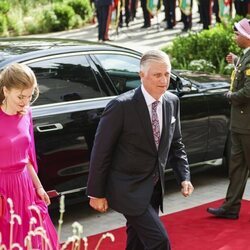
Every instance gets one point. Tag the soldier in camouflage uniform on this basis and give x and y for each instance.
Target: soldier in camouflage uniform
(239, 97)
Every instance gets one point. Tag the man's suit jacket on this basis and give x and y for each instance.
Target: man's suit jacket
(124, 154)
(240, 98)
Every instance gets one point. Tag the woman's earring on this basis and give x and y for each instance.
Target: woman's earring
(4, 102)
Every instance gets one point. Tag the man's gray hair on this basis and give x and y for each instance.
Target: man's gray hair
(154, 55)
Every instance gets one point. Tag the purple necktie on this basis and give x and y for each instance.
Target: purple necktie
(157, 135)
(155, 124)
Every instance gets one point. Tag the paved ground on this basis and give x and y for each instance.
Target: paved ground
(210, 185)
(134, 37)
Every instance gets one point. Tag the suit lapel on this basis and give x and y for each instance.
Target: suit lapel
(142, 110)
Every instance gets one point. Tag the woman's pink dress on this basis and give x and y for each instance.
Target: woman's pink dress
(16, 150)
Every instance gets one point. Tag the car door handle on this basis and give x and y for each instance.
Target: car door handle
(49, 127)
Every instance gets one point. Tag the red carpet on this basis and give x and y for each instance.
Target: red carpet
(194, 229)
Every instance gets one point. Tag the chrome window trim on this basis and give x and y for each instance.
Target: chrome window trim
(71, 106)
(68, 54)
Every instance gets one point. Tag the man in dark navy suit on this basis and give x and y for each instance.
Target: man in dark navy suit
(139, 132)
(103, 11)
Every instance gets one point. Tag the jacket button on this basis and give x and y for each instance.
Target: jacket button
(241, 112)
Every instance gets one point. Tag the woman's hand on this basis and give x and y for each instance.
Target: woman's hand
(43, 195)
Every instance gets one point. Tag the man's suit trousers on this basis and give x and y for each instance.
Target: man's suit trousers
(146, 231)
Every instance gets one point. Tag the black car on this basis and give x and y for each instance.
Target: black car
(77, 79)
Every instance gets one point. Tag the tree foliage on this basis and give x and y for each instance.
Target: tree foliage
(40, 16)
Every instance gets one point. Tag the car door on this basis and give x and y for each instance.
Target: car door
(194, 118)
(66, 114)
(219, 119)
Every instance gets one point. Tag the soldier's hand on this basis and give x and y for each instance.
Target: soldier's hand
(230, 58)
(228, 94)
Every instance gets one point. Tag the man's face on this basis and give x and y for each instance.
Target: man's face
(155, 78)
(241, 41)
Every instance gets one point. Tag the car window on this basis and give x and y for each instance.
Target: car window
(172, 84)
(65, 79)
(123, 70)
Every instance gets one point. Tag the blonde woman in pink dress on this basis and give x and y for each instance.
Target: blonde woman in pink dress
(18, 167)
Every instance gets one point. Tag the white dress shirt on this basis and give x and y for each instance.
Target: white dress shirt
(149, 100)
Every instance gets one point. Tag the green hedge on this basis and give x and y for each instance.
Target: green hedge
(82, 8)
(205, 50)
(41, 16)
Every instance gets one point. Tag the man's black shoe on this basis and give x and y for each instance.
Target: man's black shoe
(145, 26)
(107, 40)
(185, 30)
(169, 28)
(222, 213)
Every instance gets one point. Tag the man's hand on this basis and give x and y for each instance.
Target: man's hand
(187, 188)
(99, 204)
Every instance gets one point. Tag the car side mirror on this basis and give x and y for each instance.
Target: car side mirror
(179, 85)
(183, 86)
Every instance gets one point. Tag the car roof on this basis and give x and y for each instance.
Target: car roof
(21, 49)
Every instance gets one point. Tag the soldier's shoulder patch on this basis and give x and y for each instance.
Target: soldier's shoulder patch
(248, 72)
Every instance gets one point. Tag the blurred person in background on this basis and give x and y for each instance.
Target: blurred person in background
(125, 10)
(206, 13)
(241, 7)
(103, 10)
(146, 15)
(169, 9)
(134, 5)
(186, 14)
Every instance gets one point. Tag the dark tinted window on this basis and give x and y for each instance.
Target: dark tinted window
(172, 84)
(122, 69)
(65, 79)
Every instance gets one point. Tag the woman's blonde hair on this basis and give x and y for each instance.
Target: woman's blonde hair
(18, 76)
